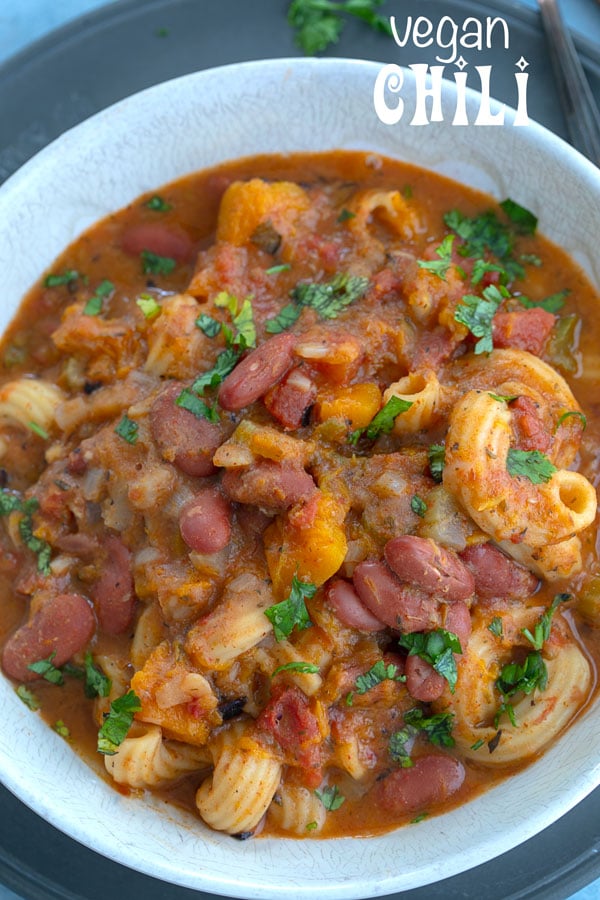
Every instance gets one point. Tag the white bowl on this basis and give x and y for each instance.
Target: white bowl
(135, 146)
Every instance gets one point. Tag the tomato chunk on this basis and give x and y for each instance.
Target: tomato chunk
(523, 330)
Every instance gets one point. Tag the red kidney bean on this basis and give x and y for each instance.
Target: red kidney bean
(431, 780)
(257, 372)
(113, 593)
(422, 681)
(401, 606)
(420, 561)
(62, 625)
(348, 608)
(205, 522)
(496, 575)
(159, 239)
(269, 485)
(291, 398)
(183, 439)
(457, 619)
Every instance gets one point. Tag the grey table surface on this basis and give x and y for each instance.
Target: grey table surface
(24, 21)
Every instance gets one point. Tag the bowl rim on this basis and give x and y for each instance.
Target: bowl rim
(107, 842)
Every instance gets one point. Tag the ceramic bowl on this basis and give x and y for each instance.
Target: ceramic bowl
(135, 146)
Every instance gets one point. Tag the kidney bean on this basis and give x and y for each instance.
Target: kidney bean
(257, 372)
(431, 780)
(159, 239)
(62, 625)
(183, 439)
(420, 561)
(457, 619)
(401, 606)
(113, 593)
(422, 681)
(348, 608)
(496, 575)
(205, 522)
(269, 485)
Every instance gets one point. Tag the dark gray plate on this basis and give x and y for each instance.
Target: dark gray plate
(130, 45)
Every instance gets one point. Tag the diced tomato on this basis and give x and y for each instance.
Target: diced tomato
(434, 349)
(290, 720)
(289, 400)
(523, 330)
(530, 433)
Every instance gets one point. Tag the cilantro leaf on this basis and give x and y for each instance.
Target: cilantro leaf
(398, 749)
(284, 319)
(39, 547)
(418, 505)
(477, 314)
(522, 218)
(153, 264)
(195, 405)
(376, 674)
(46, 669)
(242, 318)
(330, 298)
(531, 464)
(28, 697)
(305, 668)
(436, 647)
(157, 204)
(518, 678)
(292, 612)
(9, 502)
(94, 305)
(569, 414)
(67, 277)
(495, 626)
(481, 267)
(383, 422)
(60, 728)
(345, 214)
(542, 628)
(437, 460)
(211, 327)
(224, 364)
(480, 233)
(148, 305)
(440, 266)
(552, 304)
(281, 267)
(438, 727)
(503, 398)
(330, 797)
(117, 723)
(128, 430)
(319, 23)
(97, 684)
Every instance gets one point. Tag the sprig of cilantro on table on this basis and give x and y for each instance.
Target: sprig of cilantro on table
(319, 23)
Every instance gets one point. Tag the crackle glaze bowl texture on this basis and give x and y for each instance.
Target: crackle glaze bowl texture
(148, 140)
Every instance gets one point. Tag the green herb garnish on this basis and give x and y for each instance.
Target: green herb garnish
(274, 270)
(153, 264)
(542, 629)
(157, 204)
(61, 729)
(569, 414)
(436, 647)
(525, 221)
(437, 460)
(28, 697)
(552, 304)
(305, 668)
(383, 422)
(418, 505)
(97, 684)
(495, 627)
(242, 318)
(292, 612)
(195, 405)
(397, 747)
(46, 669)
(376, 674)
(438, 727)
(148, 305)
(69, 275)
(128, 430)
(319, 23)
(330, 797)
(37, 429)
(440, 266)
(117, 723)
(477, 314)
(531, 464)
(284, 319)
(94, 305)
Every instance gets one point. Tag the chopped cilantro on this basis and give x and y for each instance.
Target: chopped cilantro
(436, 647)
(292, 612)
(503, 398)
(542, 629)
(419, 818)
(481, 267)
(346, 214)
(224, 364)
(330, 298)
(495, 627)
(9, 503)
(376, 674)
(97, 684)
(37, 429)
(438, 727)
(531, 258)
(127, 429)
(211, 327)
(319, 23)
(117, 723)
(242, 318)
(284, 319)
(46, 669)
(330, 797)
(525, 221)
(195, 405)
(418, 505)
(157, 204)
(60, 728)
(153, 264)
(398, 749)
(383, 422)
(311, 826)
(477, 314)
(274, 270)
(67, 277)
(94, 305)
(478, 744)
(518, 678)
(480, 233)
(304, 668)
(148, 305)
(569, 414)
(28, 697)
(437, 460)
(531, 464)
(552, 304)
(440, 266)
